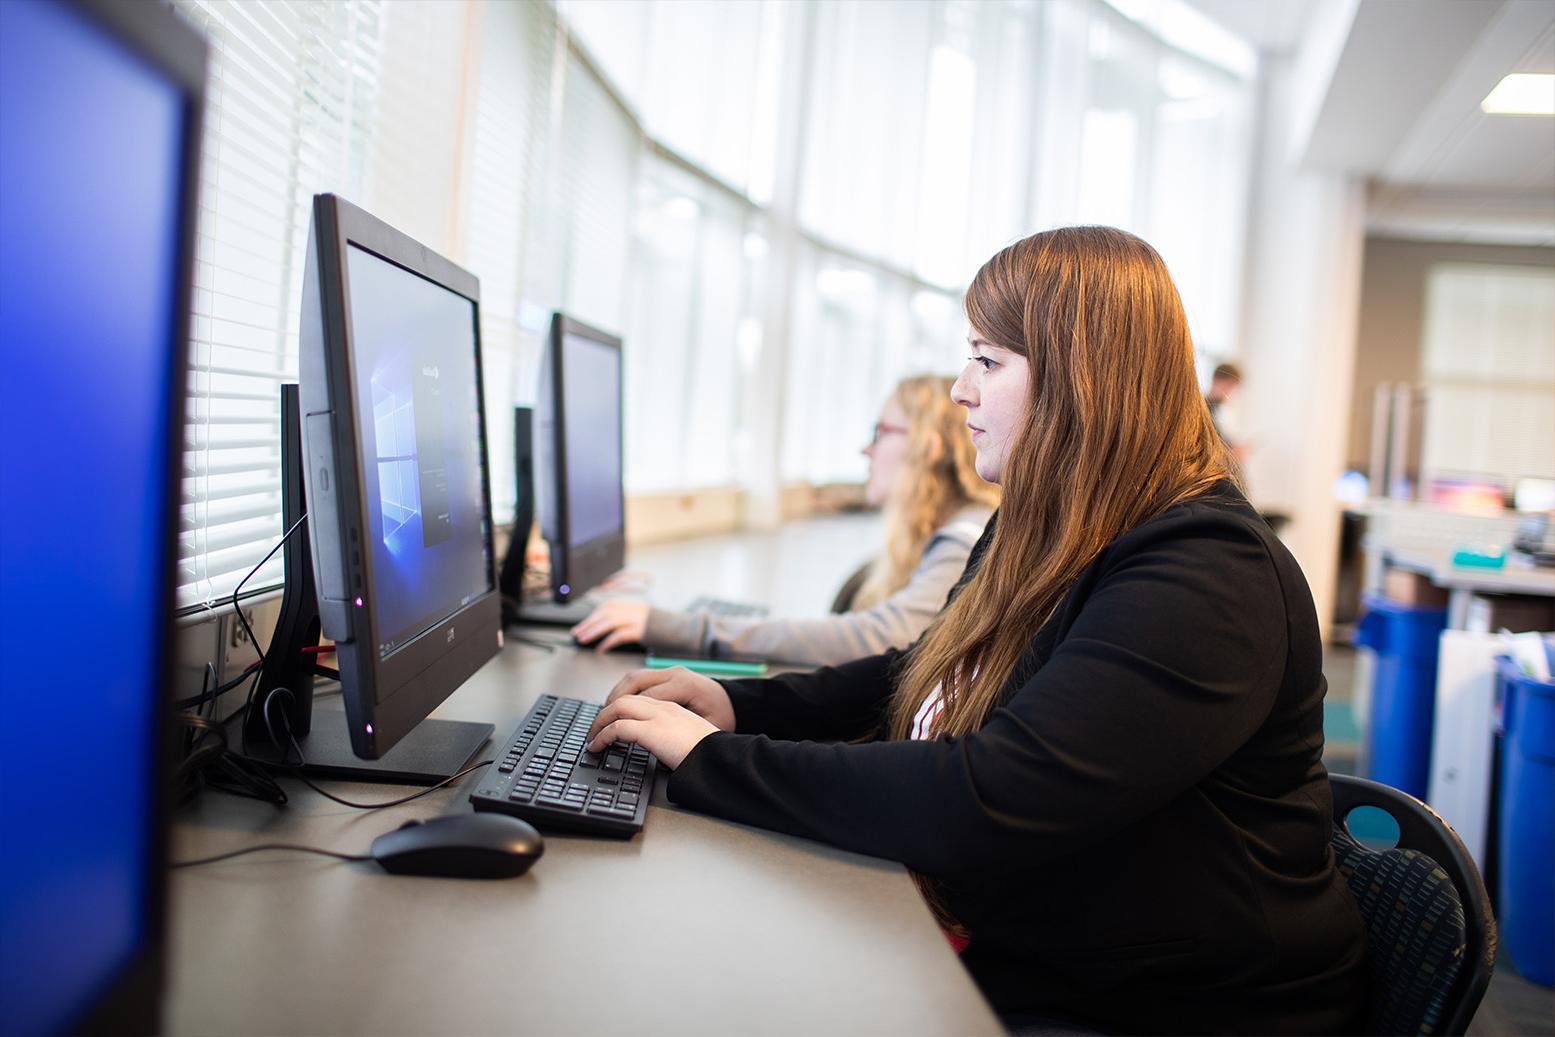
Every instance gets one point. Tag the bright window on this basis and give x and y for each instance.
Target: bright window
(776, 205)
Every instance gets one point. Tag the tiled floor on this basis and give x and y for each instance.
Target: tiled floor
(1512, 1006)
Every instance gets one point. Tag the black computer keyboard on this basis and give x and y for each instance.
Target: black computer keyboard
(730, 609)
(545, 777)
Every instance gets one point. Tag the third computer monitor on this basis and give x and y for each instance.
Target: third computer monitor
(578, 455)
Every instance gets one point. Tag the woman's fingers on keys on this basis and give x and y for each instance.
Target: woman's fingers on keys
(636, 682)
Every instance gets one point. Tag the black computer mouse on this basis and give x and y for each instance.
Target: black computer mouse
(461, 846)
(624, 646)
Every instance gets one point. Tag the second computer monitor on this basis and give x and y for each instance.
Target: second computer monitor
(578, 456)
(394, 437)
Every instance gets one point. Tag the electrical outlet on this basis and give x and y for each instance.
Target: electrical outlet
(236, 638)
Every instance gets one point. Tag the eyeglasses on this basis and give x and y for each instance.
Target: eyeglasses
(884, 428)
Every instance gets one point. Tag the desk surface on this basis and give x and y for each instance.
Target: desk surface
(735, 929)
(1512, 578)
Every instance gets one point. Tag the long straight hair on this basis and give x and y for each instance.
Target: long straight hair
(1115, 432)
(938, 478)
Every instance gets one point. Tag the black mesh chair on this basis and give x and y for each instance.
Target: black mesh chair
(1429, 929)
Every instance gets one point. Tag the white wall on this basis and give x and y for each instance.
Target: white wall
(1298, 334)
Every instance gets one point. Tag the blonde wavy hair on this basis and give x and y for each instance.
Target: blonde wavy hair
(938, 478)
(1115, 432)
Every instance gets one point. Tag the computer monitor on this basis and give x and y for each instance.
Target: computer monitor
(399, 514)
(578, 449)
(99, 135)
(1534, 495)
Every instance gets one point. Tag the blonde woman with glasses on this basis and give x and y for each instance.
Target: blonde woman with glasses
(1103, 761)
(922, 474)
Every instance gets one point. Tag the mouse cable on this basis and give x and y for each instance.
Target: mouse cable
(269, 846)
(296, 769)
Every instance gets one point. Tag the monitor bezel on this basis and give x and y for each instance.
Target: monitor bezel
(131, 1000)
(385, 697)
(583, 566)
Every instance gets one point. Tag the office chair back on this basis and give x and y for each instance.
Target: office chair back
(1429, 929)
(843, 602)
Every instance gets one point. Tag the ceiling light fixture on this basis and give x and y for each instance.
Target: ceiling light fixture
(1522, 93)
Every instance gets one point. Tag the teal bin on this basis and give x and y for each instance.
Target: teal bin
(1525, 843)
(1406, 639)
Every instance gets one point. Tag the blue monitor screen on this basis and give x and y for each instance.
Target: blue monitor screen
(90, 163)
(418, 394)
(591, 378)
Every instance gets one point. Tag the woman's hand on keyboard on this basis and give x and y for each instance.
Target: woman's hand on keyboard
(702, 695)
(666, 729)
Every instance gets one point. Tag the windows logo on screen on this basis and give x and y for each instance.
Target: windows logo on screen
(399, 496)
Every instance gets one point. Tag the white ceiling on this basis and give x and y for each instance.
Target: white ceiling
(1400, 106)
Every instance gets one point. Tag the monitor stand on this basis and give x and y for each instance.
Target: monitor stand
(433, 751)
(516, 606)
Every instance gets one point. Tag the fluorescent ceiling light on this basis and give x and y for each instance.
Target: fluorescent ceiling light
(1522, 93)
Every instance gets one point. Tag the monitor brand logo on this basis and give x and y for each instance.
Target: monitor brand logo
(450, 635)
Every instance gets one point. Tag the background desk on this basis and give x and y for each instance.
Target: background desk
(1421, 538)
(1463, 582)
(694, 926)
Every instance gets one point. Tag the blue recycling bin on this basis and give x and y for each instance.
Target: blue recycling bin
(1406, 639)
(1525, 843)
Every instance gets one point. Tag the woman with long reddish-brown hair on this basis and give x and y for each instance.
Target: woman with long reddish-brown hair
(1102, 762)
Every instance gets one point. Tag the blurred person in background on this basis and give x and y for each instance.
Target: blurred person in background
(922, 473)
(1223, 385)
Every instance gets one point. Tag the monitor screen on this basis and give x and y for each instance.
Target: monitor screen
(591, 379)
(91, 232)
(578, 457)
(416, 377)
(399, 518)
(1534, 495)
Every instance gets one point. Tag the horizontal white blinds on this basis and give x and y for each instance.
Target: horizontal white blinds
(483, 131)
(512, 51)
(430, 114)
(285, 117)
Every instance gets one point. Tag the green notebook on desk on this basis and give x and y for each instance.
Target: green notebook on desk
(702, 664)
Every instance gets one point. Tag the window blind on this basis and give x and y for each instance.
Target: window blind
(430, 114)
(503, 186)
(283, 119)
(484, 131)
(592, 198)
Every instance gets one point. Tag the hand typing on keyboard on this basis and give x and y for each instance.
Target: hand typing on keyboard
(666, 712)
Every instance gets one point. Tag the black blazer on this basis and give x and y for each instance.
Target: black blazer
(1138, 836)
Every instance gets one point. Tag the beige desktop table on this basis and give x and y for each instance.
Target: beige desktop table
(695, 926)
